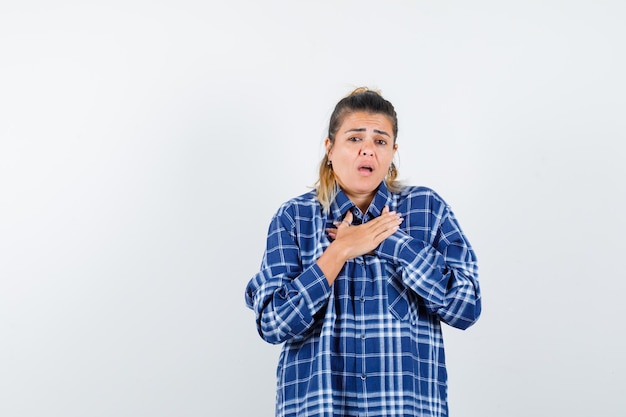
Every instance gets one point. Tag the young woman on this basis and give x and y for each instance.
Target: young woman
(357, 276)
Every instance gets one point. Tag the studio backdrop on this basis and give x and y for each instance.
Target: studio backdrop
(145, 146)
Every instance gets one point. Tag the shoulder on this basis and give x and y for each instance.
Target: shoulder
(424, 211)
(303, 206)
(420, 195)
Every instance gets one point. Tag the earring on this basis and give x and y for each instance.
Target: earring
(329, 163)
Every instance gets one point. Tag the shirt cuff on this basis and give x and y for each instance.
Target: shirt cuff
(424, 266)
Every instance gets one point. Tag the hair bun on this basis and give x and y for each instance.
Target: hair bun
(361, 90)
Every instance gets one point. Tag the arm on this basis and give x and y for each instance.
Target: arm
(444, 274)
(284, 296)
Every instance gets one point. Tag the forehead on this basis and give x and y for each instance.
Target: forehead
(366, 120)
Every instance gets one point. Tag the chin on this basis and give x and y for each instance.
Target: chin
(367, 190)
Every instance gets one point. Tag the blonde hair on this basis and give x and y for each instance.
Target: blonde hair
(361, 99)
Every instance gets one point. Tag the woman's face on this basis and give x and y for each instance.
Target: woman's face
(362, 152)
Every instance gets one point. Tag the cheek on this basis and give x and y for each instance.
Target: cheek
(389, 156)
(339, 154)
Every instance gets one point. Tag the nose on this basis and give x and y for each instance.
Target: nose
(367, 149)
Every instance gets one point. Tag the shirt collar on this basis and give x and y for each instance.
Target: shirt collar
(341, 204)
(381, 199)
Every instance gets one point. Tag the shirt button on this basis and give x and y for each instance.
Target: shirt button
(362, 299)
(363, 377)
(363, 336)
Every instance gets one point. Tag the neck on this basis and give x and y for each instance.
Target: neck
(362, 201)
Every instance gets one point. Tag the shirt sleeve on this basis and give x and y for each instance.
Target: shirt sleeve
(285, 296)
(444, 274)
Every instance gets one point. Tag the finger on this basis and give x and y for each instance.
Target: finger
(386, 213)
(387, 233)
(387, 218)
(347, 220)
(387, 224)
(383, 234)
(386, 228)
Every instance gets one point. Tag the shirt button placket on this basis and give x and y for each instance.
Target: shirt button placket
(363, 352)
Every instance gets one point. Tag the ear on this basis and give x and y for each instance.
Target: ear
(328, 145)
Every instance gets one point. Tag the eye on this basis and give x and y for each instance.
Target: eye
(354, 139)
(381, 142)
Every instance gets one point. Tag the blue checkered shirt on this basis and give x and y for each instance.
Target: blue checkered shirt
(370, 344)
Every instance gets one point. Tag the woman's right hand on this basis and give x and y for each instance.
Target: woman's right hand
(357, 240)
(351, 241)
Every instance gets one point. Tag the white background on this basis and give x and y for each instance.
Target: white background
(145, 145)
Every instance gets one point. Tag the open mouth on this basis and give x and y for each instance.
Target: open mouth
(366, 168)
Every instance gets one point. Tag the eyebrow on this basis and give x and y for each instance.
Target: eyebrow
(362, 129)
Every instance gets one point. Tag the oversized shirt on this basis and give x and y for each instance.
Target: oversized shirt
(370, 344)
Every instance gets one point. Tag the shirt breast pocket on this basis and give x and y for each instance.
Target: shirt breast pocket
(402, 302)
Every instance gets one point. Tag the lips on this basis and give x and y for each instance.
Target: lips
(366, 169)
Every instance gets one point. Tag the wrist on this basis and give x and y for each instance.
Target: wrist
(332, 260)
(338, 251)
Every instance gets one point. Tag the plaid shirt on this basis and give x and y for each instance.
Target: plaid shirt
(370, 344)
